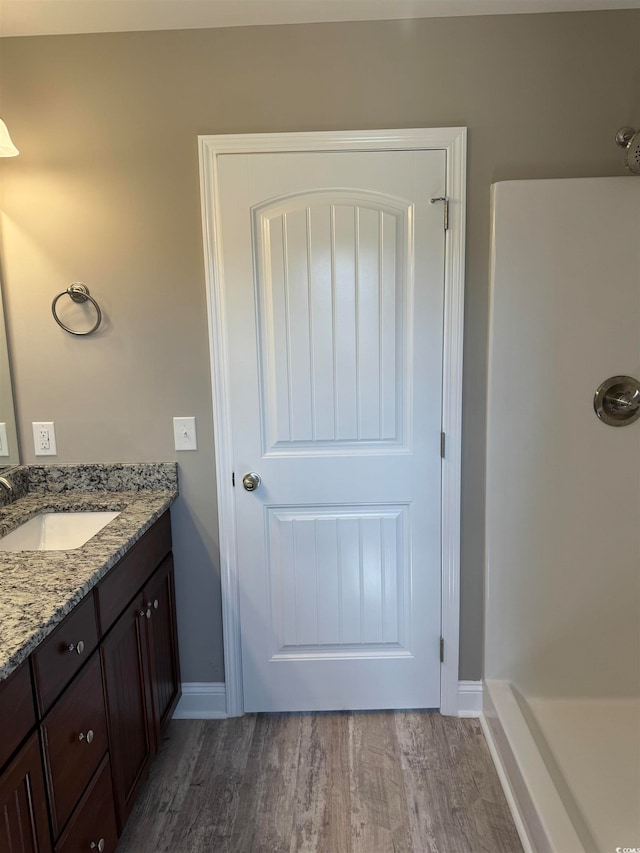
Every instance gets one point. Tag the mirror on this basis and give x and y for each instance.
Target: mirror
(9, 450)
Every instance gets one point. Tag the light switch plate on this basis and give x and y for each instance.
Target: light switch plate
(44, 438)
(4, 444)
(184, 434)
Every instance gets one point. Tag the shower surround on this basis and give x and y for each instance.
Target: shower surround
(562, 647)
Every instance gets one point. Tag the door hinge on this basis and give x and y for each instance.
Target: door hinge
(443, 444)
(441, 649)
(233, 478)
(445, 202)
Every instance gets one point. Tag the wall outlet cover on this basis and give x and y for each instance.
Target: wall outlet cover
(4, 443)
(44, 438)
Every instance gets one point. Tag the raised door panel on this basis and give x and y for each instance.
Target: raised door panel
(163, 645)
(339, 581)
(129, 710)
(24, 825)
(332, 293)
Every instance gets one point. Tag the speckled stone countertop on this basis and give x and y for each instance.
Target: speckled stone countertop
(39, 588)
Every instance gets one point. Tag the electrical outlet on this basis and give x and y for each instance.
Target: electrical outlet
(4, 444)
(44, 438)
(184, 434)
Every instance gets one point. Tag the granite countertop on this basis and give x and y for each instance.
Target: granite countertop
(39, 588)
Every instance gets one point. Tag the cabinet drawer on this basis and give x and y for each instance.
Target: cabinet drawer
(17, 714)
(93, 825)
(61, 655)
(132, 572)
(74, 736)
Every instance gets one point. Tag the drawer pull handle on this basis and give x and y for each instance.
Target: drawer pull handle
(99, 846)
(146, 613)
(76, 647)
(155, 603)
(88, 736)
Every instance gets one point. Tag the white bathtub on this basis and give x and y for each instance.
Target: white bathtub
(570, 768)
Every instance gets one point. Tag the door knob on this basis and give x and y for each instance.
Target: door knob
(251, 481)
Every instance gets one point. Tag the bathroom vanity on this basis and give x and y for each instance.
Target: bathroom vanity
(88, 666)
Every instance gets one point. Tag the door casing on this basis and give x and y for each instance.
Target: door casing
(453, 140)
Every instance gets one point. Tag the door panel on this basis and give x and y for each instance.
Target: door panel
(337, 580)
(332, 368)
(333, 272)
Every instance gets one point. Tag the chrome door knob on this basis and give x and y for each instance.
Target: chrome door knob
(617, 401)
(251, 481)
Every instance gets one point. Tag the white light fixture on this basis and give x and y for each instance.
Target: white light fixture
(7, 148)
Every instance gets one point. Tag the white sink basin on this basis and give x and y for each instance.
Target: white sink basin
(56, 531)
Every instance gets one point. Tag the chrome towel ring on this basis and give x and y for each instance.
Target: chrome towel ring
(78, 292)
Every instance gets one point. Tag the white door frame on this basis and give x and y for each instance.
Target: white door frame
(453, 140)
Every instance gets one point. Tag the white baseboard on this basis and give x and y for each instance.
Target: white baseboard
(469, 698)
(202, 700)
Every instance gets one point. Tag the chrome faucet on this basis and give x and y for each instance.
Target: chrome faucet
(6, 485)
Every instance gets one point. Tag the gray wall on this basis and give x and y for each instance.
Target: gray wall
(106, 191)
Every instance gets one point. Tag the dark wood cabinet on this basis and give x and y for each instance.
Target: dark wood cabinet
(24, 826)
(125, 663)
(92, 721)
(142, 683)
(163, 646)
(17, 714)
(93, 825)
(64, 652)
(74, 740)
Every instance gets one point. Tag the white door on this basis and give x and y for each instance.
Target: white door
(333, 269)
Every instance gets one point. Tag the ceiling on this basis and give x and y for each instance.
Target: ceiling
(54, 17)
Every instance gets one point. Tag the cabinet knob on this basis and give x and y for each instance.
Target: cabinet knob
(88, 736)
(154, 603)
(99, 846)
(76, 647)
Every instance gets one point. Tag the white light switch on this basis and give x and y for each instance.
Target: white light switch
(4, 444)
(44, 438)
(184, 434)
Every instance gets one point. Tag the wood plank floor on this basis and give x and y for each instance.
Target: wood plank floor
(373, 782)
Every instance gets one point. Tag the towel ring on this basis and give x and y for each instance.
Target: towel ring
(78, 292)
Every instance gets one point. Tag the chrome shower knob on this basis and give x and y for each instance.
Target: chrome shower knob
(617, 401)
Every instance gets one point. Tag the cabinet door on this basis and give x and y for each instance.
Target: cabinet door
(17, 714)
(163, 645)
(24, 827)
(129, 707)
